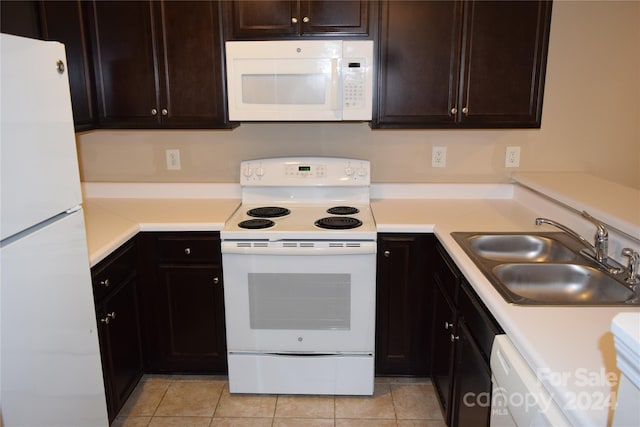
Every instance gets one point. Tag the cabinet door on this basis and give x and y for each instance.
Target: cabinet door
(261, 18)
(504, 63)
(20, 18)
(471, 399)
(403, 337)
(125, 64)
(444, 316)
(419, 63)
(192, 316)
(191, 71)
(346, 17)
(121, 344)
(64, 21)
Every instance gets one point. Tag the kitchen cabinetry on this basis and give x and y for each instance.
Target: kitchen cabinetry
(115, 290)
(404, 305)
(186, 302)
(462, 64)
(158, 64)
(254, 20)
(64, 21)
(462, 338)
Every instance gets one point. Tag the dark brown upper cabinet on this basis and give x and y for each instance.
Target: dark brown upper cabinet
(64, 21)
(61, 21)
(256, 20)
(158, 64)
(472, 64)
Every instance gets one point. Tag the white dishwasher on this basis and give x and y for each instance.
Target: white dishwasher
(518, 398)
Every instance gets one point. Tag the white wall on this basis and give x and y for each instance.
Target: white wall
(590, 122)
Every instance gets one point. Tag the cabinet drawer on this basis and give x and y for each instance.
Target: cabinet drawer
(196, 249)
(446, 274)
(481, 324)
(114, 270)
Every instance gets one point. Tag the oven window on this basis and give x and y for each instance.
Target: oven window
(311, 301)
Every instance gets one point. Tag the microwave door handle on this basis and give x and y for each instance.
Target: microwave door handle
(335, 81)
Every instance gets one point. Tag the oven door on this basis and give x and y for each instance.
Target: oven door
(315, 303)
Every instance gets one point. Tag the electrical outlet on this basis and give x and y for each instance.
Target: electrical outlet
(439, 157)
(512, 158)
(173, 159)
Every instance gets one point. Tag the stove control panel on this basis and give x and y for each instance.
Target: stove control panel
(305, 171)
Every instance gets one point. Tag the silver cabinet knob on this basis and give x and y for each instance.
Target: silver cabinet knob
(216, 280)
(105, 283)
(154, 112)
(454, 110)
(387, 254)
(187, 251)
(60, 66)
(454, 338)
(165, 112)
(448, 325)
(465, 110)
(294, 20)
(305, 19)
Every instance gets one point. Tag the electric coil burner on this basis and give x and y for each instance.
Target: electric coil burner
(257, 223)
(299, 271)
(338, 222)
(268, 212)
(342, 210)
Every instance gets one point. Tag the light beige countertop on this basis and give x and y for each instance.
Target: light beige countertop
(571, 343)
(570, 348)
(110, 222)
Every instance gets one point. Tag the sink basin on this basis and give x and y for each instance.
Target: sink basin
(561, 284)
(519, 248)
(542, 268)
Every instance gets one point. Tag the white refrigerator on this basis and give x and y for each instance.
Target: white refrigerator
(50, 371)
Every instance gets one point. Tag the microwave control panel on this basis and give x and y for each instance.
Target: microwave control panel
(354, 80)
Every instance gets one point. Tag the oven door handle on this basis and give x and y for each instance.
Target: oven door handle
(234, 248)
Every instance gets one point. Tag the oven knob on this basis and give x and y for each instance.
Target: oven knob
(362, 172)
(348, 170)
(247, 171)
(260, 172)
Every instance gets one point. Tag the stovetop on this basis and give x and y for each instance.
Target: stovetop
(291, 198)
(300, 223)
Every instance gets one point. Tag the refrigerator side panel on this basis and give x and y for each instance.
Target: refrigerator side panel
(51, 373)
(38, 158)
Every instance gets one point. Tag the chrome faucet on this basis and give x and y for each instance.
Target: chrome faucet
(598, 251)
(634, 262)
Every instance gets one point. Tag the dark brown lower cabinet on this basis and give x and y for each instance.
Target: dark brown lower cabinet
(184, 302)
(115, 289)
(463, 332)
(190, 299)
(444, 316)
(403, 304)
(471, 402)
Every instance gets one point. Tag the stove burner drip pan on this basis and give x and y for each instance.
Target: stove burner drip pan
(268, 212)
(338, 222)
(257, 223)
(343, 210)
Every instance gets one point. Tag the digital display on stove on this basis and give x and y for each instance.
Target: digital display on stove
(304, 168)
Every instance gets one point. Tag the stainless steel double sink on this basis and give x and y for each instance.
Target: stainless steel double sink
(543, 269)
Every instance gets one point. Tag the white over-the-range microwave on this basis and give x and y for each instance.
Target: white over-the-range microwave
(309, 80)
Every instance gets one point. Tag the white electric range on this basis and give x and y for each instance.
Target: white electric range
(299, 262)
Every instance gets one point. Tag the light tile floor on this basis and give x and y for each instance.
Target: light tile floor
(204, 401)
